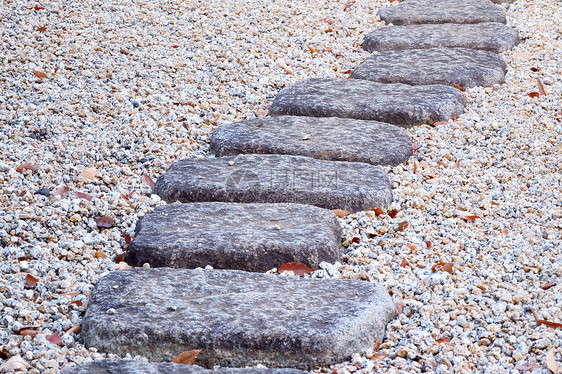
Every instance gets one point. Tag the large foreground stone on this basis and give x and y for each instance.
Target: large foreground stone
(251, 237)
(338, 139)
(398, 104)
(111, 366)
(236, 318)
(442, 11)
(465, 67)
(490, 36)
(276, 179)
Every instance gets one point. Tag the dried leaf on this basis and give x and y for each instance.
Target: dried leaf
(30, 281)
(458, 87)
(411, 246)
(83, 195)
(42, 29)
(551, 361)
(78, 303)
(122, 266)
(88, 173)
(175, 46)
(105, 222)
(99, 254)
(341, 213)
(443, 340)
(73, 330)
(428, 244)
(62, 191)
(26, 166)
(349, 71)
(377, 356)
(298, 268)
(392, 213)
(39, 74)
(14, 363)
(54, 338)
(549, 284)
(377, 345)
(187, 357)
(127, 238)
(119, 258)
(402, 226)
(378, 211)
(435, 267)
(404, 263)
(553, 325)
(355, 239)
(28, 331)
(448, 267)
(329, 21)
(466, 215)
(399, 304)
(148, 181)
(440, 123)
(312, 49)
(541, 88)
(533, 94)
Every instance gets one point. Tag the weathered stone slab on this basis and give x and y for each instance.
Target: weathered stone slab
(276, 179)
(490, 36)
(251, 237)
(398, 104)
(328, 138)
(236, 318)
(442, 11)
(112, 366)
(465, 67)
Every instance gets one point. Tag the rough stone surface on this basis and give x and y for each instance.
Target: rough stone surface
(465, 67)
(237, 318)
(489, 36)
(251, 237)
(442, 11)
(276, 179)
(398, 104)
(139, 367)
(337, 139)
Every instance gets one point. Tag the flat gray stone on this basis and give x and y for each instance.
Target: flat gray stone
(398, 104)
(442, 11)
(337, 139)
(251, 237)
(465, 67)
(112, 366)
(490, 36)
(276, 179)
(236, 318)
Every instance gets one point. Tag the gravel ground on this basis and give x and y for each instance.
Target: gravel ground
(128, 87)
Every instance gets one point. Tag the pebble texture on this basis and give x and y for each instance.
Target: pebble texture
(251, 237)
(276, 179)
(328, 138)
(237, 318)
(442, 11)
(142, 367)
(398, 104)
(465, 67)
(489, 36)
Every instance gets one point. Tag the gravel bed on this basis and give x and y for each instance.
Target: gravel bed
(128, 87)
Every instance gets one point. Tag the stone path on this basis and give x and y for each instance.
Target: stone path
(398, 104)
(320, 147)
(201, 234)
(337, 139)
(237, 318)
(139, 367)
(489, 36)
(276, 179)
(462, 66)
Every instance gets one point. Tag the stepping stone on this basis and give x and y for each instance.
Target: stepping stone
(490, 36)
(236, 318)
(251, 237)
(465, 67)
(276, 179)
(337, 139)
(442, 11)
(112, 366)
(398, 104)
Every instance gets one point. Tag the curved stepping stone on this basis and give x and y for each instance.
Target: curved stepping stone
(465, 67)
(236, 318)
(251, 237)
(442, 11)
(398, 104)
(112, 366)
(490, 36)
(276, 179)
(337, 139)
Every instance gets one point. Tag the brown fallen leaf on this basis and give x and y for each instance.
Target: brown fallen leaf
(435, 267)
(553, 325)
(30, 281)
(312, 49)
(355, 239)
(73, 330)
(99, 254)
(148, 181)
(13, 364)
(54, 338)
(402, 226)
(42, 29)
(440, 123)
(443, 340)
(399, 304)
(466, 215)
(62, 191)
(458, 87)
(551, 361)
(377, 356)
(411, 246)
(88, 173)
(28, 331)
(329, 21)
(541, 88)
(404, 263)
(78, 303)
(392, 213)
(83, 195)
(298, 268)
(341, 213)
(378, 211)
(187, 357)
(105, 222)
(377, 345)
(533, 94)
(127, 238)
(549, 284)
(448, 267)
(39, 74)
(26, 166)
(428, 244)
(119, 258)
